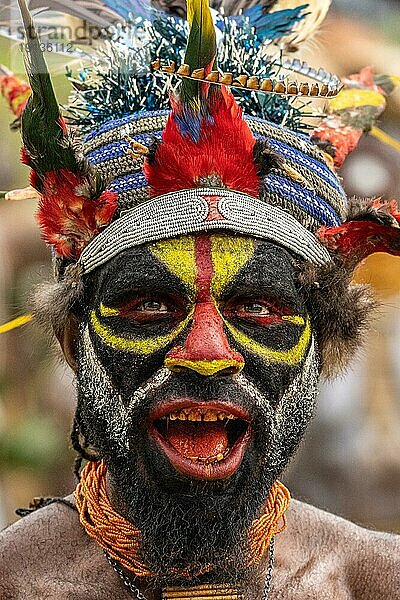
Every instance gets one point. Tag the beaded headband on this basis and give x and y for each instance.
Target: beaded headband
(201, 209)
(143, 175)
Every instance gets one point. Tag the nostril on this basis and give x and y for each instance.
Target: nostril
(229, 371)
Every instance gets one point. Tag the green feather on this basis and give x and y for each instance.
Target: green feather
(47, 144)
(201, 47)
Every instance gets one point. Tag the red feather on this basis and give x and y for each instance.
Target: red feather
(224, 149)
(343, 139)
(376, 231)
(16, 92)
(69, 220)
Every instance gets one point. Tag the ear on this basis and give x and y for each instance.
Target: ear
(68, 339)
(55, 305)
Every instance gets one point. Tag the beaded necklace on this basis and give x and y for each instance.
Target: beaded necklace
(121, 539)
(207, 592)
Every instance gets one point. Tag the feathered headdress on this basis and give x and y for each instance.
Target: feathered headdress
(74, 202)
(201, 136)
(206, 143)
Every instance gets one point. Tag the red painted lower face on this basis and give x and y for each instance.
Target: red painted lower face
(202, 440)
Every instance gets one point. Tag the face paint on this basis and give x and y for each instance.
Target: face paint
(205, 265)
(290, 357)
(206, 348)
(179, 292)
(138, 346)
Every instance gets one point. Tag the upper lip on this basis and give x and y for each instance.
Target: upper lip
(166, 408)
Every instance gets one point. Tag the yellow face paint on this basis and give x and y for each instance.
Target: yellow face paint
(229, 255)
(139, 346)
(295, 319)
(291, 357)
(178, 255)
(203, 367)
(106, 311)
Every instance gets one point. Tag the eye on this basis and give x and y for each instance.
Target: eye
(148, 309)
(254, 308)
(261, 311)
(152, 306)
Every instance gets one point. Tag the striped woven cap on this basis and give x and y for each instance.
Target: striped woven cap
(308, 189)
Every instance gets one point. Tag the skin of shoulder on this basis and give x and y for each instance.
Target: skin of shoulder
(319, 555)
(47, 555)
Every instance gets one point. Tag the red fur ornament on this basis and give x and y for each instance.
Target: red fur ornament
(376, 229)
(343, 139)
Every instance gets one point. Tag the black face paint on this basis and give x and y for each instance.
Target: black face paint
(188, 523)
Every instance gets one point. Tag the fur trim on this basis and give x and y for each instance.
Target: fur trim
(55, 302)
(151, 156)
(265, 158)
(341, 313)
(365, 209)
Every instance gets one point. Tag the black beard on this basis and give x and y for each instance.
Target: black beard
(200, 528)
(188, 538)
(189, 525)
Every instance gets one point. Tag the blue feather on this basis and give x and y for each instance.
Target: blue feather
(128, 9)
(190, 121)
(271, 26)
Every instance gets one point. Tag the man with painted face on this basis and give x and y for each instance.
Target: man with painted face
(203, 284)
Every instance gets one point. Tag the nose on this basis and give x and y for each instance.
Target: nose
(206, 349)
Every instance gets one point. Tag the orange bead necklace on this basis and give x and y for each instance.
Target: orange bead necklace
(121, 539)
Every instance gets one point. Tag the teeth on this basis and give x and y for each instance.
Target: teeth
(226, 79)
(197, 414)
(213, 77)
(170, 68)
(198, 74)
(266, 85)
(324, 90)
(184, 70)
(209, 460)
(194, 415)
(210, 415)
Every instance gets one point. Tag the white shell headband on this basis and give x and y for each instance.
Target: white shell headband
(196, 210)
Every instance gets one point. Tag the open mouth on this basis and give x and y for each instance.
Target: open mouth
(204, 440)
